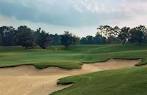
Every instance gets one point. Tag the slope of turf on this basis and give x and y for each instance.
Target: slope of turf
(131, 81)
(119, 82)
(71, 58)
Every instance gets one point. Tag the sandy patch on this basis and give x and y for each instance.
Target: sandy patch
(27, 80)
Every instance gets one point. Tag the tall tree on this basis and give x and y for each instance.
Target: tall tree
(66, 39)
(124, 35)
(137, 35)
(109, 32)
(105, 30)
(8, 36)
(25, 37)
(43, 39)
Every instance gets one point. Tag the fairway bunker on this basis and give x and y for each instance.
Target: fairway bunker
(27, 80)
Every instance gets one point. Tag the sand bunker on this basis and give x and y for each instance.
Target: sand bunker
(27, 80)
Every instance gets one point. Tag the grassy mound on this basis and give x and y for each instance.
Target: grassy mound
(131, 81)
(71, 58)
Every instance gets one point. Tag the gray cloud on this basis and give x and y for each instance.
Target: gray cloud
(65, 12)
(56, 15)
(75, 14)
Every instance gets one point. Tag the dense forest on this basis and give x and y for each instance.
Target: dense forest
(28, 38)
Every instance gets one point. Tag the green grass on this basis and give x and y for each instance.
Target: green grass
(118, 82)
(131, 81)
(74, 57)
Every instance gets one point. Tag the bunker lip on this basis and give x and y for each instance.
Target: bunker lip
(60, 67)
(128, 59)
(28, 80)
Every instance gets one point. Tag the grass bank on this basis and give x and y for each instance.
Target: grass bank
(117, 82)
(72, 58)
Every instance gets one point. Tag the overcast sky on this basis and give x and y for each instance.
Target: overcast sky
(80, 17)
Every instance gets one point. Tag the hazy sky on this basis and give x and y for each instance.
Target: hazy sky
(80, 17)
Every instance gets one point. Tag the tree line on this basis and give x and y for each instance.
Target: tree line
(28, 38)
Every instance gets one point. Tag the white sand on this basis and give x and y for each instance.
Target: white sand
(27, 80)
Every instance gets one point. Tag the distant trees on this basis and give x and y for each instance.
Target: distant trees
(55, 39)
(25, 37)
(137, 34)
(87, 40)
(124, 35)
(28, 38)
(43, 39)
(7, 36)
(66, 39)
(97, 39)
(105, 30)
(134, 35)
(75, 40)
(110, 33)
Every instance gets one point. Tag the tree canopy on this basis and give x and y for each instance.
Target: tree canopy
(28, 38)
